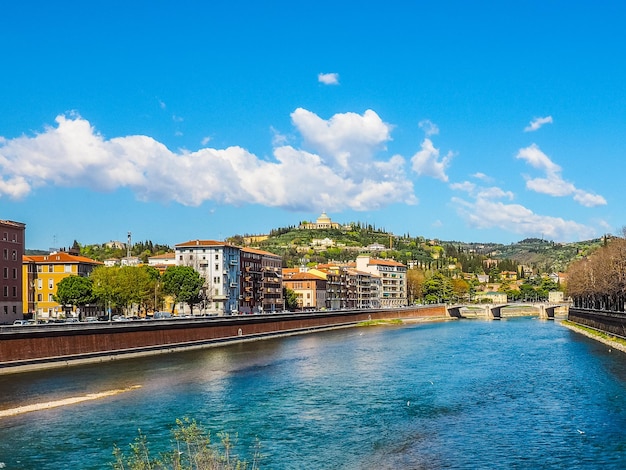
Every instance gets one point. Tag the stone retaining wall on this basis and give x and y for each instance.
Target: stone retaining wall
(614, 323)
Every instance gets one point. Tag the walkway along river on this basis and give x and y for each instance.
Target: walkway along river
(517, 393)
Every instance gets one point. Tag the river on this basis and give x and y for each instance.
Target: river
(517, 393)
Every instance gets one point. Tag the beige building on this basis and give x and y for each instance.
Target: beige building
(322, 222)
(388, 287)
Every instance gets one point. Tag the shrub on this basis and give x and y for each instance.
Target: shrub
(192, 450)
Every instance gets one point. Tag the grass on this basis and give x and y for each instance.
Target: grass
(395, 321)
(596, 333)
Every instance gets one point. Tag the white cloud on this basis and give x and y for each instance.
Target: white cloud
(553, 184)
(74, 154)
(328, 78)
(205, 140)
(426, 162)
(347, 141)
(536, 123)
(481, 176)
(487, 211)
(428, 127)
(465, 186)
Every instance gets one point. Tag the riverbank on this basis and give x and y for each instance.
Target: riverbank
(601, 336)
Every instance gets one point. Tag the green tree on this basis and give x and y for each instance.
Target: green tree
(184, 283)
(107, 287)
(437, 289)
(291, 299)
(74, 290)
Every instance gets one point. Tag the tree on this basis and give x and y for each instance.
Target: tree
(106, 286)
(291, 299)
(184, 283)
(74, 290)
(437, 289)
(415, 279)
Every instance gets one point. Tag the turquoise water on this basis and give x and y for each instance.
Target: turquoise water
(519, 393)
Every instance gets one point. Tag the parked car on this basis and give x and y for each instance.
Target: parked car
(161, 315)
(20, 322)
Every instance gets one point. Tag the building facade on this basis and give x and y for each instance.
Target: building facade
(309, 288)
(389, 281)
(12, 239)
(42, 274)
(219, 264)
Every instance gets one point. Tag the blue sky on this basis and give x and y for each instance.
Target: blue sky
(473, 121)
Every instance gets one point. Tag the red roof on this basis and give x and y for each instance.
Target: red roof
(61, 257)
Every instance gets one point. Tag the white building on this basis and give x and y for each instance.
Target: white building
(219, 264)
(389, 280)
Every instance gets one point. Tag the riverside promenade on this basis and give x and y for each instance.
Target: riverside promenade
(58, 345)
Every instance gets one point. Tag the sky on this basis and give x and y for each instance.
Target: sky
(484, 121)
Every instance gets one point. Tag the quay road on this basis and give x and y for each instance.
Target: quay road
(61, 344)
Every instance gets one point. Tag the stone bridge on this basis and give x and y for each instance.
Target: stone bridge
(544, 310)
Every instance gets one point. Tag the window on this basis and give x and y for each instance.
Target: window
(14, 273)
(39, 284)
(6, 291)
(50, 299)
(14, 255)
(6, 254)
(6, 310)
(68, 268)
(39, 298)
(14, 291)
(6, 273)
(217, 257)
(39, 268)
(5, 236)
(180, 257)
(50, 268)
(217, 267)
(14, 310)
(50, 283)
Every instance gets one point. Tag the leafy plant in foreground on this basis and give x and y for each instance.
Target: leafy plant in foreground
(192, 450)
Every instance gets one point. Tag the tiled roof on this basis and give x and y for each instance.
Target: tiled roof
(201, 243)
(385, 262)
(303, 277)
(61, 257)
(164, 256)
(260, 252)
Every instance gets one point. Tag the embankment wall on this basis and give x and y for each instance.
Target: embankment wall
(614, 323)
(43, 346)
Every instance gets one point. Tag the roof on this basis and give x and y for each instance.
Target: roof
(164, 256)
(385, 262)
(191, 243)
(61, 257)
(260, 252)
(303, 277)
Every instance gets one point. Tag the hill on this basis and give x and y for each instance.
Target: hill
(298, 246)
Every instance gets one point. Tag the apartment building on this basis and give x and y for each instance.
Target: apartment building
(309, 288)
(388, 288)
(12, 239)
(261, 282)
(219, 263)
(42, 274)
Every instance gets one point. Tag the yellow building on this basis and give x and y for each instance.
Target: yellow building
(42, 274)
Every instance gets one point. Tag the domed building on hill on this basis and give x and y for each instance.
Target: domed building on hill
(322, 222)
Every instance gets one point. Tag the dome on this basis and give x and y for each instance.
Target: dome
(323, 219)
